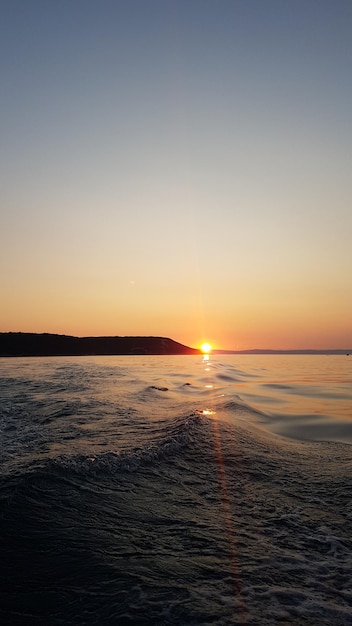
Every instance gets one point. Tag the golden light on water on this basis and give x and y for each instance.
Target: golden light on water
(206, 348)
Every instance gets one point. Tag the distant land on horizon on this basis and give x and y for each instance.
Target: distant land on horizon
(48, 344)
(51, 344)
(254, 351)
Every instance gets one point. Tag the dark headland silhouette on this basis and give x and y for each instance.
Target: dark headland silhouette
(47, 344)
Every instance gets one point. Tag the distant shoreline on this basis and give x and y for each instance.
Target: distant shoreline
(17, 344)
(47, 344)
(338, 351)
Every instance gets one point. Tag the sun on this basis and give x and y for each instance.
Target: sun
(206, 348)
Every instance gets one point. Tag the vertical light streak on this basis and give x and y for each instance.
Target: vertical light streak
(226, 503)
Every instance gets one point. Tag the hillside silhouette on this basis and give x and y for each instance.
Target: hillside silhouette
(47, 344)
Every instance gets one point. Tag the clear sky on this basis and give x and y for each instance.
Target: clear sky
(178, 168)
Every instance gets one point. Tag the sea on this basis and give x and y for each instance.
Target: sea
(176, 490)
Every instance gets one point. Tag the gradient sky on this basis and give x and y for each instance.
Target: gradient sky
(177, 168)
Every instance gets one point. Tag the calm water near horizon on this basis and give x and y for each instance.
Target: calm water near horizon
(155, 490)
(303, 396)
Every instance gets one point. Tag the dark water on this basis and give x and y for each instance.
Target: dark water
(147, 490)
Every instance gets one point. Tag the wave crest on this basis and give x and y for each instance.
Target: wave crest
(179, 434)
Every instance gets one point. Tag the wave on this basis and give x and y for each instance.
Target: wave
(156, 388)
(237, 408)
(175, 436)
(173, 527)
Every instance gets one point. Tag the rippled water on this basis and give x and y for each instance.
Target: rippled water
(304, 397)
(156, 490)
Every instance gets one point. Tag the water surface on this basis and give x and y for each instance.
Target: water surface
(176, 490)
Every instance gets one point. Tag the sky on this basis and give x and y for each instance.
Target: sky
(177, 168)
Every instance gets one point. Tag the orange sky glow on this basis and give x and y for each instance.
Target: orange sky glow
(178, 173)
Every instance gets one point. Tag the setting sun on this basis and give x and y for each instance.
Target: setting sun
(206, 348)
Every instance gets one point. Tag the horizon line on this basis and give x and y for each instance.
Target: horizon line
(213, 351)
